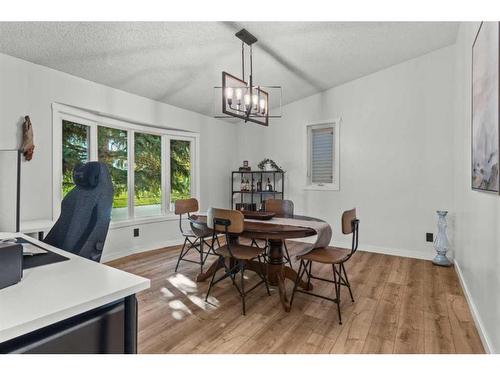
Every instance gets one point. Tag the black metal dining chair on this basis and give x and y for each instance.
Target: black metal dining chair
(335, 256)
(195, 237)
(230, 222)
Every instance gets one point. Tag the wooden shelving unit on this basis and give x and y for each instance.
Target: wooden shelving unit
(252, 199)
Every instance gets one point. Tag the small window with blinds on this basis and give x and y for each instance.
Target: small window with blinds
(323, 156)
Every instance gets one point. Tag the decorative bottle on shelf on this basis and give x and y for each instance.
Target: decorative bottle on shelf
(269, 187)
(259, 185)
(247, 185)
(242, 185)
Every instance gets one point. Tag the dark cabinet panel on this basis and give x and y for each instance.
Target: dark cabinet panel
(103, 330)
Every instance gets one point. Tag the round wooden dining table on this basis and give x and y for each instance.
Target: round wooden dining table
(277, 270)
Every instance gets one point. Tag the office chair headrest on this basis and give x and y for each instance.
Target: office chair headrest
(87, 175)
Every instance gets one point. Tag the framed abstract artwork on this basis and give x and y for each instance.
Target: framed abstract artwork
(485, 108)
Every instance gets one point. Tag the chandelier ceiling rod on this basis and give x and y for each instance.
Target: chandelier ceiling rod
(243, 60)
(248, 39)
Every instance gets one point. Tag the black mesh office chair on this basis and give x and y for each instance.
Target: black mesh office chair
(85, 213)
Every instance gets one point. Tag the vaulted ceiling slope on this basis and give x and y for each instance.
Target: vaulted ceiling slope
(179, 62)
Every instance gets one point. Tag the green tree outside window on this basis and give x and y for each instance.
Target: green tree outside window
(180, 170)
(74, 151)
(112, 150)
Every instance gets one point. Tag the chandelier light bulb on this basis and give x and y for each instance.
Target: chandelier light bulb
(247, 99)
(238, 94)
(229, 95)
(255, 100)
(263, 106)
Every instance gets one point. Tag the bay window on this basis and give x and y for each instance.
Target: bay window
(150, 167)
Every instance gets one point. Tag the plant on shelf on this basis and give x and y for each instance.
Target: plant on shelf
(271, 163)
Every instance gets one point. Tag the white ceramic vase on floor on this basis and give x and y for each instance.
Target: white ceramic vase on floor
(441, 243)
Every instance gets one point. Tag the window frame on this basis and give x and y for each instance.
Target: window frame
(62, 112)
(335, 185)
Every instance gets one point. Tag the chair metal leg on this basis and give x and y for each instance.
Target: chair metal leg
(212, 280)
(210, 250)
(212, 245)
(297, 279)
(202, 261)
(263, 275)
(309, 275)
(232, 276)
(347, 281)
(287, 257)
(243, 288)
(337, 292)
(231, 271)
(181, 254)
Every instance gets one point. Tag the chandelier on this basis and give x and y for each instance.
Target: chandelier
(241, 97)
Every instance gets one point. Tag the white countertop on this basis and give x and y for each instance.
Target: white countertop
(51, 293)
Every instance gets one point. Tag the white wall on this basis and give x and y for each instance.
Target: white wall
(405, 152)
(27, 88)
(396, 153)
(477, 237)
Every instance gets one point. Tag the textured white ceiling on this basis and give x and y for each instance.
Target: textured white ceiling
(179, 62)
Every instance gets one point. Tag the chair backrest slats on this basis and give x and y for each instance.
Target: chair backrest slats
(185, 206)
(347, 218)
(281, 207)
(230, 220)
(350, 224)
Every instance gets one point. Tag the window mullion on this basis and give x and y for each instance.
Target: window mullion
(93, 148)
(165, 169)
(192, 156)
(130, 172)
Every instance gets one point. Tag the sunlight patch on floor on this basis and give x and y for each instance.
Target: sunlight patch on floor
(190, 289)
(184, 284)
(212, 303)
(166, 293)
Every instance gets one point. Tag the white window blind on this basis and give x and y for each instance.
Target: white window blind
(323, 156)
(322, 166)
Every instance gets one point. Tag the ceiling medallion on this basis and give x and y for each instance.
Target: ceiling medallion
(241, 97)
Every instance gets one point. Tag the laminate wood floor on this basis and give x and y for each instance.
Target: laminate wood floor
(402, 305)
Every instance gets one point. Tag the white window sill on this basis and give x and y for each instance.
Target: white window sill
(142, 220)
(326, 187)
(35, 226)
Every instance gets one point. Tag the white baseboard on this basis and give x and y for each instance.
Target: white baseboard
(107, 257)
(488, 347)
(397, 252)
(368, 248)
(381, 250)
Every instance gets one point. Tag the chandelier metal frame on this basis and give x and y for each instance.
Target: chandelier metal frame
(250, 103)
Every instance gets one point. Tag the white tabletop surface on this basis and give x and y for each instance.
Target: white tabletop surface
(51, 293)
